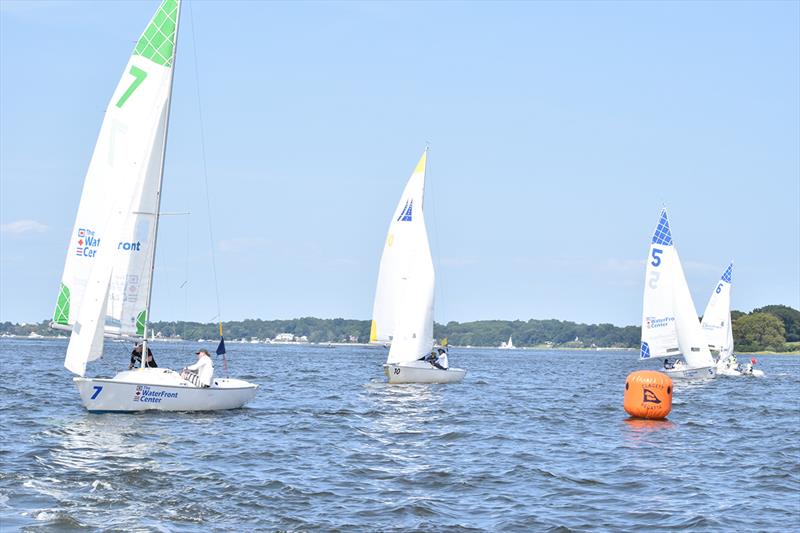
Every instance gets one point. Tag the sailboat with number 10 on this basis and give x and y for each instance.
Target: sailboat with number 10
(403, 309)
(107, 282)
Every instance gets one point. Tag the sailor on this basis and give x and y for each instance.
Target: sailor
(748, 368)
(136, 358)
(428, 358)
(203, 369)
(441, 360)
(668, 365)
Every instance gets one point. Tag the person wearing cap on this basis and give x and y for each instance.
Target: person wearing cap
(441, 360)
(203, 369)
(136, 358)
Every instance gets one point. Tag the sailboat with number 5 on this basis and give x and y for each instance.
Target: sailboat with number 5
(670, 326)
(107, 282)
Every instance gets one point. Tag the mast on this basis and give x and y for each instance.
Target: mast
(158, 190)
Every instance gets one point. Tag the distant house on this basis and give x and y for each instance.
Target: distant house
(284, 337)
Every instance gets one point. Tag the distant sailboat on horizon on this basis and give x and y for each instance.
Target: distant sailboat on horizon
(507, 345)
(403, 309)
(670, 325)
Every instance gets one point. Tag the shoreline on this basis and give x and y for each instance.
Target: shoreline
(369, 345)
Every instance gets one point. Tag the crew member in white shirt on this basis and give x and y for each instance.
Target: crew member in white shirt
(204, 368)
(441, 361)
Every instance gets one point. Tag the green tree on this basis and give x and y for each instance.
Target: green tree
(790, 318)
(759, 331)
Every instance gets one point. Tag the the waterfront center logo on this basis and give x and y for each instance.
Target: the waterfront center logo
(653, 322)
(87, 243)
(145, 394)
(129, 246)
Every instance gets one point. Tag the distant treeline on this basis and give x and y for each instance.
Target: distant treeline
(774, 327)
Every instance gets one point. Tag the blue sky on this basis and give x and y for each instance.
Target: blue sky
(557, 131)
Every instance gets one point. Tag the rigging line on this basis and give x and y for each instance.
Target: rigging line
(205, 167)
(437, 254)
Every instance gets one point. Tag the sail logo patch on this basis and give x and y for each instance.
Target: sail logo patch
(649, 396)
(145, 394)
(129, 246)
(87, 243)
(405, 215)
(654, 323)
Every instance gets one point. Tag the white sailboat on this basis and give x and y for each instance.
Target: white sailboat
(403, 309)
(717, 326)
(107, 282)
(670, 326)
(507, 345)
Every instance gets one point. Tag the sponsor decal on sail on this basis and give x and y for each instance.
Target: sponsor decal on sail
(87, 243)
(405, 215)
(653, 322)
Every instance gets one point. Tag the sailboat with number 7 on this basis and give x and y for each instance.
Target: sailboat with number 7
(107, 282)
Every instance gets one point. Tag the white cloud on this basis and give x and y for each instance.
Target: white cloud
(21, 227)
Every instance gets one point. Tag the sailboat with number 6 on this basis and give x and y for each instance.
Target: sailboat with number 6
(107, 282)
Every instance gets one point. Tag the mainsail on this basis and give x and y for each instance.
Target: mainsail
(716, 322)
(403, 308)
(670, 326)
(107, 276)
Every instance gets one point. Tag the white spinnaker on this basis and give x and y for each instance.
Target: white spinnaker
(398, 251)
(108, 280)
(659, 331)
(717, 316)
(126, 162)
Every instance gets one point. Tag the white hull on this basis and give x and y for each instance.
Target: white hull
(160, 389)
(682, 372)
(421, 372)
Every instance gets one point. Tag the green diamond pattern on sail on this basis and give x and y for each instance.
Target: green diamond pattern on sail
(157, 43)
(141, 318)
(61, 315)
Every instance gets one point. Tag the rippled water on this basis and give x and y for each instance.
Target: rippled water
(531, 440)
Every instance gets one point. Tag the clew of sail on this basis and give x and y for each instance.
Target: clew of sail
(108, 270)
(123, 180)
(716, 321)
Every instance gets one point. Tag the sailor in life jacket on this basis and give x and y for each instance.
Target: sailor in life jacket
(203, 369)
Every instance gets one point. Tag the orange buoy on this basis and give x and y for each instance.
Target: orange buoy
(648, 394)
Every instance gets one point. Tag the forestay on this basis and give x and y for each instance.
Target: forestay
(403, 309)
(108, 270)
